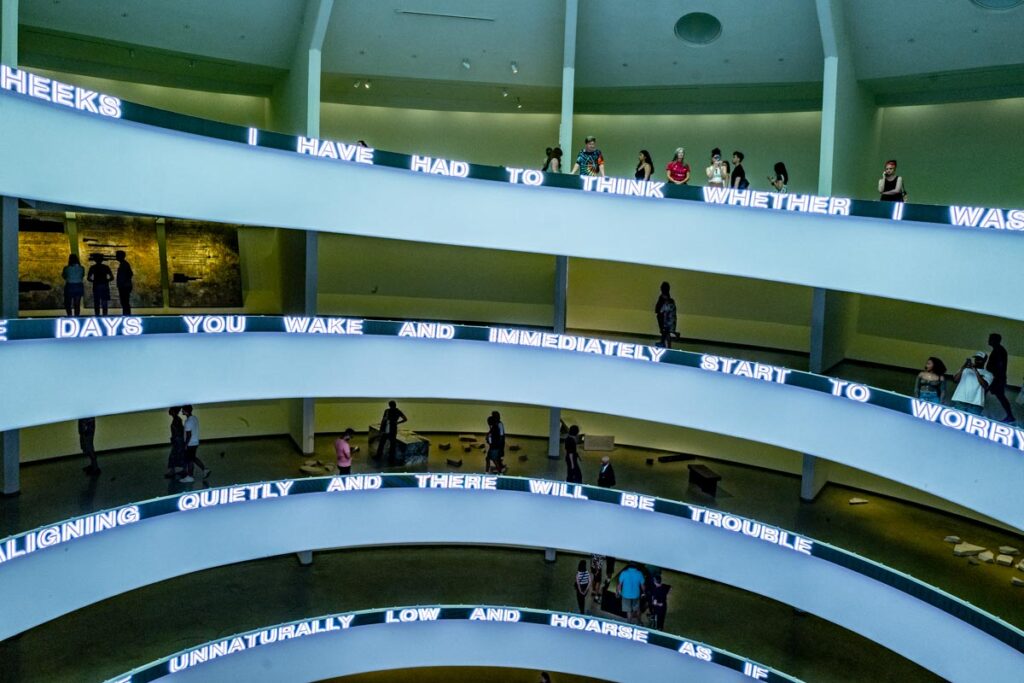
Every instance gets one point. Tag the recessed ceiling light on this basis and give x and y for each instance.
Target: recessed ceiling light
(698, 28)
(504, 93)
(357, 84)
(998, 4)
(466, 65)
(367, 85)
(515, 68)
(191, 63)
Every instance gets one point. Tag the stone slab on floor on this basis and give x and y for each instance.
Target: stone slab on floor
(967, 549)
(1004, 560)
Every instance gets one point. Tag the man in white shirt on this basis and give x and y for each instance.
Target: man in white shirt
(973, 382)
(192, 447)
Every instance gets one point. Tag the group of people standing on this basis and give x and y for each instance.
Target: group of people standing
(639, 590)
(100, 275)
(719, 172)
(982, 374)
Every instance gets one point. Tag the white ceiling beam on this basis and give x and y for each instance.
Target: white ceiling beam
(568, 78)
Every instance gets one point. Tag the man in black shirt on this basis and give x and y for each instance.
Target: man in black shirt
(389, 431)
(124, 282)
(100, 276)
(738, 177)
(997, 362)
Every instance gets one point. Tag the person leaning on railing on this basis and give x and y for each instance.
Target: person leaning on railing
(931, 382)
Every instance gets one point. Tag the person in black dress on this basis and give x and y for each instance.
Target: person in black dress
(644, 166)
(176, 458)
(125, 279)
(574, 475)
(666, 314)
(890, 185)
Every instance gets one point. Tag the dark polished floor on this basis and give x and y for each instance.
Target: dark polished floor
(193, 609)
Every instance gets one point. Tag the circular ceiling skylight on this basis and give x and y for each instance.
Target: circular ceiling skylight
(998, 4)
(700, 28)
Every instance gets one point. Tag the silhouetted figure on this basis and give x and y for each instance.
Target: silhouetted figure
(100, 276)
(176, 457)
(74, 286)
(665, 312)
(86, 434)
(997, 365)
(573, 473)
(125, 275)
(389, 431)
(495, 444)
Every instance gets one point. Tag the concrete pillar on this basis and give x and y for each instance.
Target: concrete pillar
(300, 273)
(850, 130)
(10, 441)
(305, 557)
(558, 324)
(9, 32)
(568, 79)
(295, 102)
(565, 142)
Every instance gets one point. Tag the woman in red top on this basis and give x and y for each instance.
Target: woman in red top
(678, 171)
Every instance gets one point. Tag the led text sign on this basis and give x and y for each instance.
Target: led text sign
(61, 94)
(336, 625)
(115, 326)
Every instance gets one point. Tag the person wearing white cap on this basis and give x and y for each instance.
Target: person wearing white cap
(973, 381)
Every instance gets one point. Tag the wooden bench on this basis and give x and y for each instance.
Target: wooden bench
(705, 478)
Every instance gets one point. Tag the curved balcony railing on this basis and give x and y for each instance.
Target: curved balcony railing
(171, 536)
(180, 166)
(914, 442)
(418, 636)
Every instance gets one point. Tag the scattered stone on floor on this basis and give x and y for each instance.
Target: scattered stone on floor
(514, 447)
(467, 437)
(1008, 550)
(523, 458)
(467, 449)
(444, 446)
(973, 560)
(1020, 565)
(454, 463)
(858, 501)
(967, 549)
(988, 556)
(952, 539)
(1004, 560)
(1017, 582)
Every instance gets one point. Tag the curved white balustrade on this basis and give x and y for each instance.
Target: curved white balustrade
(252, 366)
(431, 636)
(273, 519)
(118, 165)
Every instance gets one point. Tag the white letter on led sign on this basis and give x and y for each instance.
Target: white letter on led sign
(850, 390)
(3, 330)
(502, 614)
(358, 482)
(49, 90)
(749, 527)
(215, 324)
(80, 328)
(427, 330)
(557, 488)
(633, 500)
(696, 651)
(754, 671)
(411, 614)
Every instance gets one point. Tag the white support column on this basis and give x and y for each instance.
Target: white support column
(10, 441)
(9, 32)
(295, 108)
(295, 102)
(568, 77)
(565, 142)
(850, 126)
(558, 325)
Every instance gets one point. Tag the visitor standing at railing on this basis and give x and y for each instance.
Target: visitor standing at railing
(553, 164)
(573, 472)
(718, 175)
(644, 166)
(678, 171)
(100, 276)
(606, 475)
(589, 161)
(389, 431)
(738, 177)
(997, 365)
(125, 276)
(973, 381)
(931, 382)
(192, 447)
(890, 185)
(86, 437)
(343, 452)
(780, 179)
(74, 286)
(582, 586)
(176, 457)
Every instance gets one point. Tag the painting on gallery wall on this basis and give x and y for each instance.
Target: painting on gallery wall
(203, 264)
(101, 236)
(43, 250)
